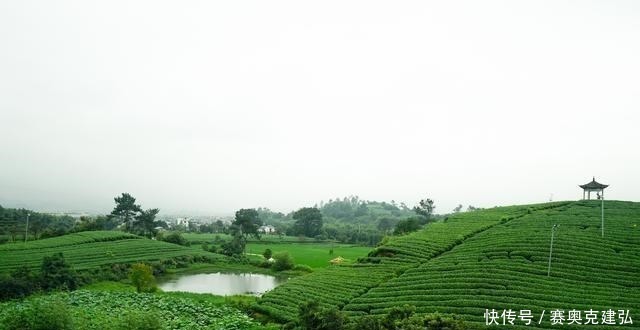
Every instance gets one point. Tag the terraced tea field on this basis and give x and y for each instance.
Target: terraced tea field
(87, 250)
(339, 285)
(493, 259)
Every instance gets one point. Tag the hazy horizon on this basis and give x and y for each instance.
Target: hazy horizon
(208, 107)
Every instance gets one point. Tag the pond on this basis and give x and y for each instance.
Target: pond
(223, 284)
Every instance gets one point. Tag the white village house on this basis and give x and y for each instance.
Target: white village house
(268, 229)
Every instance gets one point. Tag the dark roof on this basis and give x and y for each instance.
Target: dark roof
(594, 185)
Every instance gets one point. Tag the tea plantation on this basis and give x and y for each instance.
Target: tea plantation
(491, 259)
(90, 250)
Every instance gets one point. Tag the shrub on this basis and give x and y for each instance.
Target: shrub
(21, 283)
(313, 317)
(283, 261)
(175, 238)
(406, 226)
(141, 276)
(56, 273)
(267, 253)
(53, 315)
(303, 268)
(140, 321)
(11, 288)
(369, 322)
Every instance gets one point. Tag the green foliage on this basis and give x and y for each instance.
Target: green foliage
(406, 226)
(316, 255)
(247, 221)
(362, 287)
(13, 225)
(308, 221)
(506, 265)
(126, 210)
(267, 253)
(93, 310)
(313, 317)
(175, 238)
(436, 321)
(134, 320)
(397, 317)
(20, 283)
(39, 315)
(283, 261)
(385, 224)
(96, 250)
(96, 223)
(236, 246)
(145, 222)
(56, 273)
(425, 208)
(303, 268)
(141, 276)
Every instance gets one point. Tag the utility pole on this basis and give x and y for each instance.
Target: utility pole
(26, 229)
(602, 212)
(553, 231)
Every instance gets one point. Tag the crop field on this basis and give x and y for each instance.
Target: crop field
(86, 250)
(339, 285)
(93, 310)
(506, 268)
(491, 259)
(314, 255)
(303, 251)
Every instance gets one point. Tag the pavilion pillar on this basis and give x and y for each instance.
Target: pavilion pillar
(583, 193)
(589, 194)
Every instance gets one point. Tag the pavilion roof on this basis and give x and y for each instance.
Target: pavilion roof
(594, 185)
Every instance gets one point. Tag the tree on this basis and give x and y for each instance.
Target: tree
(37, 224)
(283, 261)
(20, 283)
(457, 208)
(236, 245)
(425, 208)
(56, 273)
(385, 224)
(141, 276)
(145, 222)
(471, 208)
(176, 238)
(407, 226)
(267, 254)
(308, 221)
(247, 221)
(126, 210)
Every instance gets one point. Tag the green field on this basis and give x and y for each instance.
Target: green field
(490, 259)
(304, 251)
(108, 309)
(314, 255)
(90, 250)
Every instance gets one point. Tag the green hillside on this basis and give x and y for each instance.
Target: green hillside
(87, 250)
(489, 259)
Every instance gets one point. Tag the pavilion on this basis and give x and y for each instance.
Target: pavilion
(593, 186)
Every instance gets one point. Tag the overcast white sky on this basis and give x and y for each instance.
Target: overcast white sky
(211, 106)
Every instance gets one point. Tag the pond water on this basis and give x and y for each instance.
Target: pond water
(223, 284)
